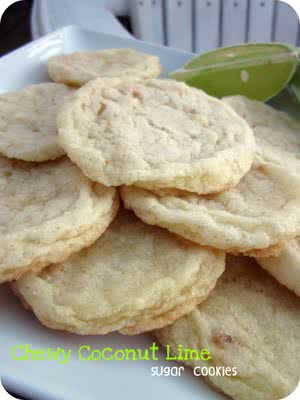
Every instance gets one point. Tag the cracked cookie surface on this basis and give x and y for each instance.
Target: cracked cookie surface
(249, 322)
(28, 128)
(80, 67)
(286, 266)
(276, 133)
(133, 279)
(156, 134)
(261, 212)
(47, 212)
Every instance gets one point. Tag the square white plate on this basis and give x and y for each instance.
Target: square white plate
(79, 380)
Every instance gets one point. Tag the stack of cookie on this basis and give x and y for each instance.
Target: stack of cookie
(199, 178)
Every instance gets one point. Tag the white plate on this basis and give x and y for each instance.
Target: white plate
(79, 380)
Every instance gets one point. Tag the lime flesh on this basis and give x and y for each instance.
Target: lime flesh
(258, 71)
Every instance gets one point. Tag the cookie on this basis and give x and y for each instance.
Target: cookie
(155, 134)
(28, 129)
(250, 323)
(133, 279)
(47, 212)
(278, 139)
(285, 267)
(254, 218)
(277, 134)
(81, 67)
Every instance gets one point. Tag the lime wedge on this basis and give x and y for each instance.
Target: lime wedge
(287, 101)
(258, 71)
(295, 84)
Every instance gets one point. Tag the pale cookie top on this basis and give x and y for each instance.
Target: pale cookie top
(133, 279)
(285, 267)
(155, 134)
(28, 129)
(277, 134)
(80, 67)
(251, 323)
(261, 211)
(47, 212)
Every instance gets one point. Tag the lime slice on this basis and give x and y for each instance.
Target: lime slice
(295, 84)
(258, 71)
(287, 101)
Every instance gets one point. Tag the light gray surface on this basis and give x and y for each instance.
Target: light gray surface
(189, 25)
(79, 380)
(98, 15)
(203, 25)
